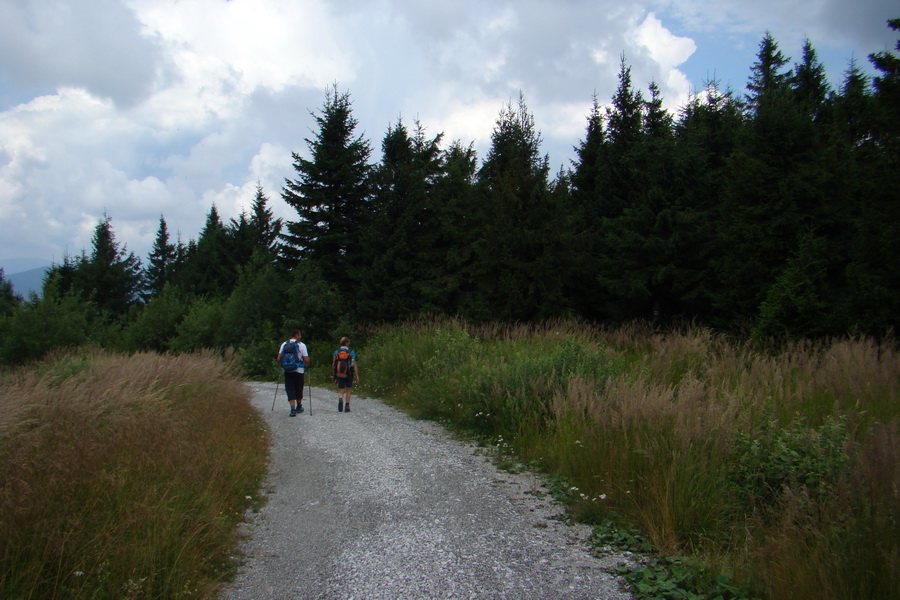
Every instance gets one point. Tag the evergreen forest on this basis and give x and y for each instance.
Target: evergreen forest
(772, 215)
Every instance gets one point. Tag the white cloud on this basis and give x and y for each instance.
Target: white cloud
(667, 50)
(143, 107)
(250, 43)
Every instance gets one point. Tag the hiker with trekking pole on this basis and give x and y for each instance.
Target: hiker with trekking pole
(293, 357)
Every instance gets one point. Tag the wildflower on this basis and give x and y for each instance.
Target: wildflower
(79, 573)
(603, 496)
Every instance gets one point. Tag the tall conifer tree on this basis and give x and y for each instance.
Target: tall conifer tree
(110, 277)
(454, 204)
(706, 136)
(518, 272)
(399, 238)
(330, 194)
(767, 191)
(9, 300)
(266, 228)
(161, 261)
(209, 267)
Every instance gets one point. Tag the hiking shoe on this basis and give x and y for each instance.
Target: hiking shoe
(341, 405)
(293, 413)
(300, 410)
(346, 408)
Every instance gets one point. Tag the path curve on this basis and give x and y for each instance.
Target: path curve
(373, 505)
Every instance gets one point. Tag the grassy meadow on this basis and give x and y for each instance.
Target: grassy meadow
(773, 474)
(124, 477)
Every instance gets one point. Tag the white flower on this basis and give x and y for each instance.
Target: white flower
(603, 496)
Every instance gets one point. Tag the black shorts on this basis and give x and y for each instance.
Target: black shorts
(344, 382)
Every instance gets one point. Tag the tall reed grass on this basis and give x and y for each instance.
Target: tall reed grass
(124, 477)
(780, 469)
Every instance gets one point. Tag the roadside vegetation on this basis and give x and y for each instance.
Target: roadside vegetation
(124, 477)
(745, 472)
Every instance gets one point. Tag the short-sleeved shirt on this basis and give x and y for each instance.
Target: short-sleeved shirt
(301, 350)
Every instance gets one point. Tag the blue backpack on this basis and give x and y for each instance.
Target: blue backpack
(290, 357)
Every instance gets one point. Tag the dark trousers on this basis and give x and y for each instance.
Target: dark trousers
(293, 385)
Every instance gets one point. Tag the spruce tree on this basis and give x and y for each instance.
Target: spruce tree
(768, 80)
(589, 154)
(768, 190)
(706, 135)
(399, 237)
(810, 84)
(265, 227)
(110, 278)
(209, 267)
(641, 250)
(330, 194)
(887, 98)
(9, 300)
(518, 272)
(161, 261)
(586, 199)
(241, 240)
(454, 204)
(620, 173)
(61, 277)
(874, 280)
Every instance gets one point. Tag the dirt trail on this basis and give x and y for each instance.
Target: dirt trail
(374, 505)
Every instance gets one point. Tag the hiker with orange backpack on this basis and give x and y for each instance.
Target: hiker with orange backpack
(346, 371)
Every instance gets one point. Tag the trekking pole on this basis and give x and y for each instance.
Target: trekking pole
(276, 394)
(310, 395)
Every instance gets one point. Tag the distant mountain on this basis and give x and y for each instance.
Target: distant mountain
(19, 265)
(28, 281)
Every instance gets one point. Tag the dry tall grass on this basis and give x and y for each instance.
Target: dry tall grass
(123, 477)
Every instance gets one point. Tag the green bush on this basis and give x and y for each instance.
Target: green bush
(256, 358)
(42, 325)
(157, 323)
(773, 459)
(200, 328)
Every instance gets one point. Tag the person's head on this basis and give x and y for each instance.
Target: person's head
(295, 334)
(345, 341)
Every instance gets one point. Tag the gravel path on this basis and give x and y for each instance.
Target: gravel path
(374, 505)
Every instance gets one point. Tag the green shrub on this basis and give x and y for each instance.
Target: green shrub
(157, 323)
(201, 328)
(773, 459)
(42, 325)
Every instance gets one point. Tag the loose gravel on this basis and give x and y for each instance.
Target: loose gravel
(372, 505)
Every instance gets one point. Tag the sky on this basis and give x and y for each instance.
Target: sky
(141, 109)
